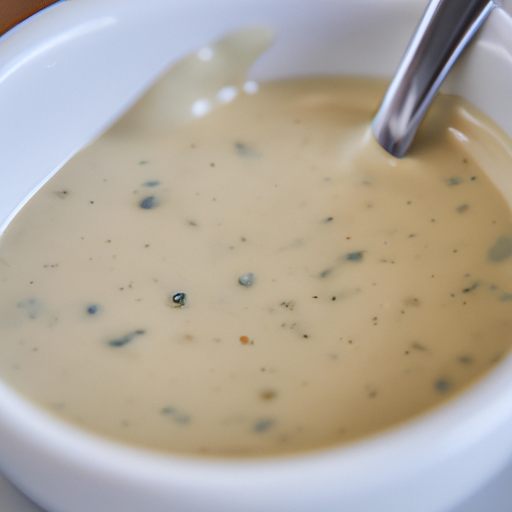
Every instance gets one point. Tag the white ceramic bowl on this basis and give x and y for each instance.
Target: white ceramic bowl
(64, 75)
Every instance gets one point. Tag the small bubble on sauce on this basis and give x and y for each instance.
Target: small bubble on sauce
(251, 87)
(246, 279)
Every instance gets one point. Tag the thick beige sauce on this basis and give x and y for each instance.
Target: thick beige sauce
(380, 288)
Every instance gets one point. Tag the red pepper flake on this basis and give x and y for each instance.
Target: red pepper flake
(244, 339)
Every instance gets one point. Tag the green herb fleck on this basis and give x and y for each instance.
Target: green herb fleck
(148, 203)
(501, 250)
(177, 415)
(442, 385)
(455, 180)
(246, 151)
(263, 425)
(354, 256)
(120, 342)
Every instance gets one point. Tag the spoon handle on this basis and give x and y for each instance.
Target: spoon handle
(445, 29)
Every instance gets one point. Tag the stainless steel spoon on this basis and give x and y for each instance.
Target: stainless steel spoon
(445, 29)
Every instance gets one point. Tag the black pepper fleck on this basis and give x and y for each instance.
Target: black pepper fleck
(179, 300)
(471, 288)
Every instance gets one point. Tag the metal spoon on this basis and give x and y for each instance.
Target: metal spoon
(445, 29)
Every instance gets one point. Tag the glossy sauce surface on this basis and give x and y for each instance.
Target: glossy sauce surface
(260, 280)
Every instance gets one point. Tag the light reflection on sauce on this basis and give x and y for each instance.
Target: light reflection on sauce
(261, 280)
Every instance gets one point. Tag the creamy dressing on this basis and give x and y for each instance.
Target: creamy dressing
(261, 280)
